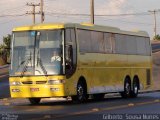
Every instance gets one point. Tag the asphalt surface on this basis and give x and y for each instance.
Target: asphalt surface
(4, 87)
(155, 47)
(145, 104)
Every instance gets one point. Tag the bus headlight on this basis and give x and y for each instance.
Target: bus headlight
(15, 83)
(51, 82)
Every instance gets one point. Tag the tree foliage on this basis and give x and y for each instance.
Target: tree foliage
(157, 37)
(5, 48)
(7, 41)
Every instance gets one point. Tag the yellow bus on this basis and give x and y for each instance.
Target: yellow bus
(78, 60)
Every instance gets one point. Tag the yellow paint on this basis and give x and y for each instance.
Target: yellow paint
(87, 24)
(42, 90)
(39, 27)
(99, 70)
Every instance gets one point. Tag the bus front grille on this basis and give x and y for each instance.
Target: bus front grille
(41, 82)
(27, 82)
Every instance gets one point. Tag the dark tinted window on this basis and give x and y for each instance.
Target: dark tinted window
(84, 38)
(121, 45)
(98, 44)
(131, 45)
(70, 50)
(109, 42)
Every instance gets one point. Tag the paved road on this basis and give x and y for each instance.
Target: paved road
(4, 82)
(148, 103)
(155, 47)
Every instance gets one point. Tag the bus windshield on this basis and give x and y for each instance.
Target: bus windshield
(37, 53)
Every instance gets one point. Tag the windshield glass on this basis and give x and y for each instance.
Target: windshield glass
(37, 53)
(49, 56)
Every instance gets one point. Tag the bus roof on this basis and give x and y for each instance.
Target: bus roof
(80, 26)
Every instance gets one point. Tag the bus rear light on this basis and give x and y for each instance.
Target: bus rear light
(15, 90)
(52, 82)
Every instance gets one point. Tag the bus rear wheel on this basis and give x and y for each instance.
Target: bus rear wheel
(34, 101)
(134, 92)
(127, 89)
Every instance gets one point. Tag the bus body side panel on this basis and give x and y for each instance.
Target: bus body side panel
(141, 67)
(103, 72)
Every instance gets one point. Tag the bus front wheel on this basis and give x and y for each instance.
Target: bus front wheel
(34, 101)
(81, 92)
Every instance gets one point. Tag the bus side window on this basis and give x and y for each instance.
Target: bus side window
(70, 51)
(69, 57)
(112, 37)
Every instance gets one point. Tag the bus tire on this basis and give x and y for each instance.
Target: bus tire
(81, 92)
(34, 101)
(135, 87)
(127, 89)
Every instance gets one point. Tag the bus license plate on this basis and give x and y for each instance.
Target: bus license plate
(34, 89)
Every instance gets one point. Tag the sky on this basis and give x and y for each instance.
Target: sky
(107, 12)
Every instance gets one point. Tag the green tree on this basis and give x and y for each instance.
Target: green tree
(157, 37)
(5, 48)
(7, 42)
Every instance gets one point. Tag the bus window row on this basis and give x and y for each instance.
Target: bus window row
(100, 42)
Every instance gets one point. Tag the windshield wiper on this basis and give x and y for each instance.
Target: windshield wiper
(42, 66)
(26, 65)
(22, 62)
(39, 62)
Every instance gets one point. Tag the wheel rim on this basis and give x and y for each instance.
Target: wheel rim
(135, 89)
(80, 92)
(127, 88)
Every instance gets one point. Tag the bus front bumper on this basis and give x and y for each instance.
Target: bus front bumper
(40, 91)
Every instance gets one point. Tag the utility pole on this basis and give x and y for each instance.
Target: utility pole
(41, 11)
(155, 20)
(92, 10)
(33, 12)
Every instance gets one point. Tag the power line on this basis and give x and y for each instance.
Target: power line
(155, 21)
(12, 15)
(33, 12)
(11, 20)
(77, 14)
(12, 9)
